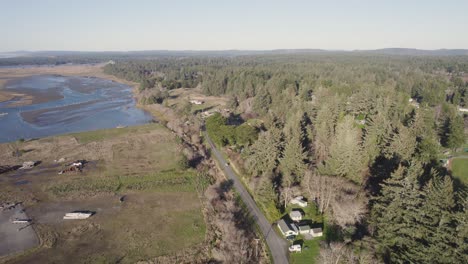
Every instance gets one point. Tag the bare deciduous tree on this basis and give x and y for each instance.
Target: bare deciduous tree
(337, 196)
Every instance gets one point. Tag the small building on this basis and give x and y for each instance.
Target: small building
(196, 102)
(295, 248)
(316, 232)
(27, 165)
(304, 229)
(207, 114)
(287, 229)
(444, 162)
(295, 215)
(461, 109)
(77, 215)
(299, 200)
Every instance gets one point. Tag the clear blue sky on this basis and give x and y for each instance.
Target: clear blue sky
(233, 24)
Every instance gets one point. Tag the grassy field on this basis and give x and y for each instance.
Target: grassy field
(460, 169)
(309, 254)
(98, 135)
(160, 214)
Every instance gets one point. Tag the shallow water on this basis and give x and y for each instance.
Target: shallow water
(67, 104)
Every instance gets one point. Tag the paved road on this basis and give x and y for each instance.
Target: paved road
(277, 245)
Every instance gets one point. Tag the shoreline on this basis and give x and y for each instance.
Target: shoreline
(21, 98)
(83, 70)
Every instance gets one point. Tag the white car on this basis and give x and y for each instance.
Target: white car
(295, 248)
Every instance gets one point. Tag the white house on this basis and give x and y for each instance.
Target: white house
(299, 200)
(316, 232)
(287, 229)
(295, 248)
(295, 215)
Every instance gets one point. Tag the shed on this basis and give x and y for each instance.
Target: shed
(295, 215)
(317, 232)
(299, 200)
(305, 229)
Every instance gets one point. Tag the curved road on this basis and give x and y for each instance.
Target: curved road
(276, 244)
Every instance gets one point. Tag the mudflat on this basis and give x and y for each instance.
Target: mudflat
(64, 104)
(8, 74)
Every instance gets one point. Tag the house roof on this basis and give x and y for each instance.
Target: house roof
(304, 227)
(295, 214)
(283, 226)
(317, 230)
(286, 226)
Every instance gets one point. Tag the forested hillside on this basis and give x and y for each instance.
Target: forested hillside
(360, 135)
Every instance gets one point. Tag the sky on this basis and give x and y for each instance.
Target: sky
(119, 25)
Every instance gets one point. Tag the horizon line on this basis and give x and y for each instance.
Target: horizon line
(239, 50)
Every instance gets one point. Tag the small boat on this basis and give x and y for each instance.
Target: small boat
(3, 114)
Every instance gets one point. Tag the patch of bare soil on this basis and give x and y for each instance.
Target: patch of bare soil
(20, 236)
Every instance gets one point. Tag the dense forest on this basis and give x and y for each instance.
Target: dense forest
(360, 135)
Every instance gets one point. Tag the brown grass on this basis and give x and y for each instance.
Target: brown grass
(157, 218)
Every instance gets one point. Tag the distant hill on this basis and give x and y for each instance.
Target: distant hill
(83, 57)
(418, 52)
(386, 51)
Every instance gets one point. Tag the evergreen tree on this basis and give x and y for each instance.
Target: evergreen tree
(264, 154)
(403, 144)
(245, 134)
(439, 222)
(262, 102)
(325, 121)
(294, 157)
(396, 213)
(455, 134)
(346, 156)
(461, 237)
(377, 135)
